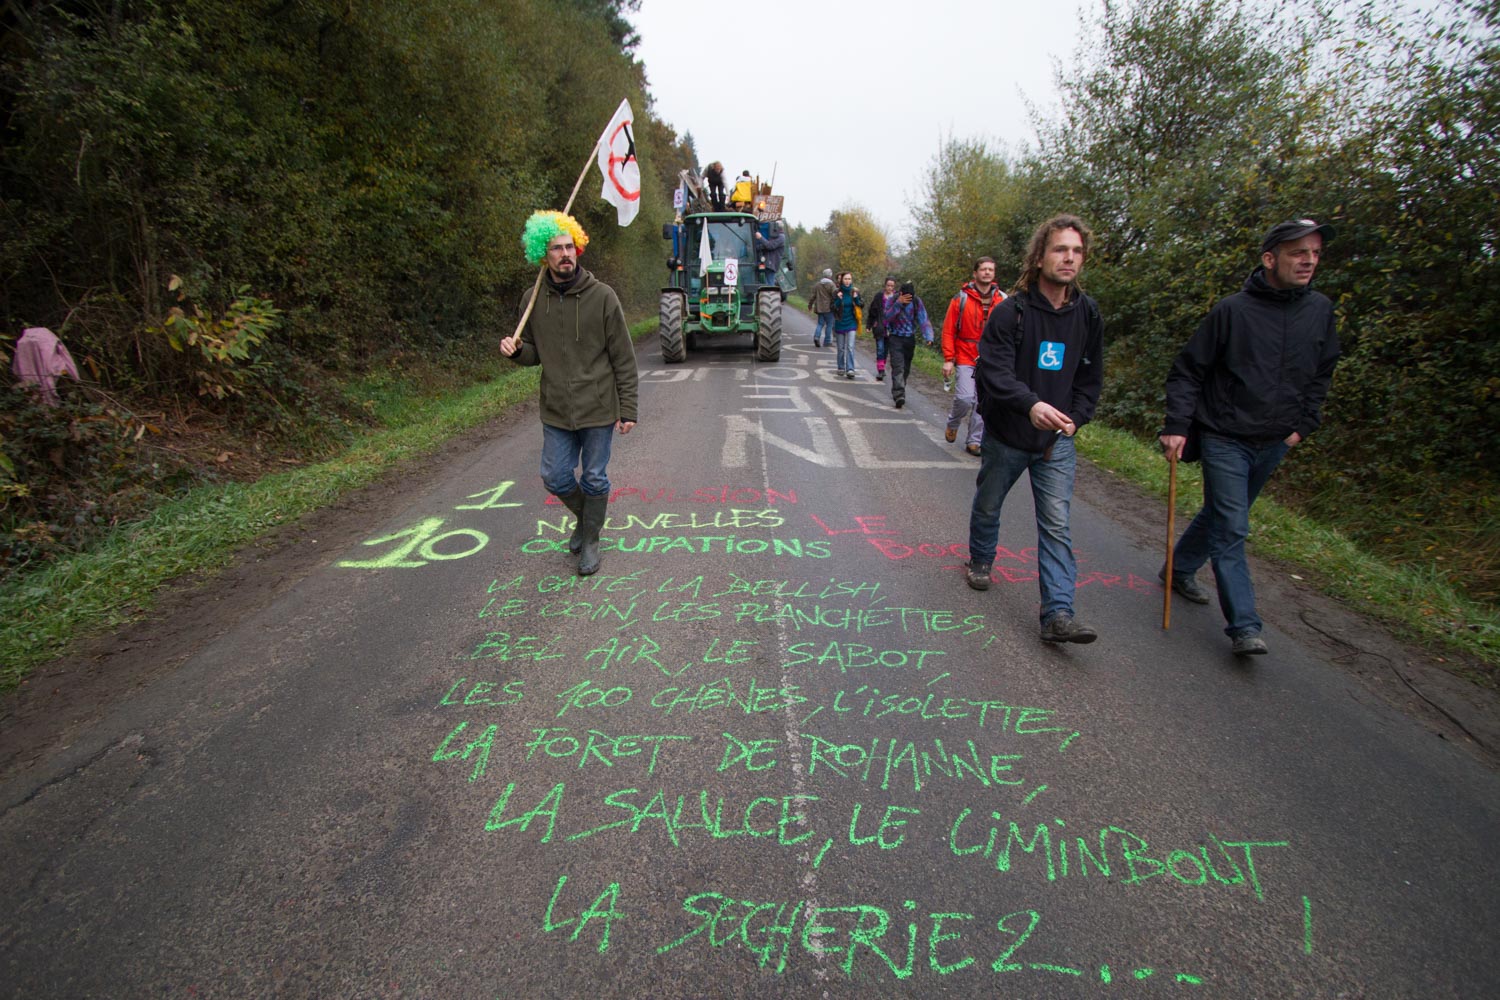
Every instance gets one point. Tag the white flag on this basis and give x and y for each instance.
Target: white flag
(618, 164)
(705, 253)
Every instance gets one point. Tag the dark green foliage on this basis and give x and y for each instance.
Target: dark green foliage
(363, 168)
(75, 470)
(1189, 128)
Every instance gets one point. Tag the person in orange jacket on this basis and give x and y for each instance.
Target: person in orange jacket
(962, 327)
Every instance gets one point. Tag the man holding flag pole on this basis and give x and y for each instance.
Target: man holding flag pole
(572, 325)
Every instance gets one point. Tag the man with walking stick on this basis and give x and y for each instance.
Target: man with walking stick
(1248, 386)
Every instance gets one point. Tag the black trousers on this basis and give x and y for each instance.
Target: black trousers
(898, 355)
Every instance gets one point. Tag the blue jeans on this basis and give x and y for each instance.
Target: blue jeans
(1000, 466)
(825, 321)
(845, 341)
(880, 352)
(1233, 473)
(561, 452)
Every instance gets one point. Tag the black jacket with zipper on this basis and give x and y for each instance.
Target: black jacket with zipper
(1258, 367)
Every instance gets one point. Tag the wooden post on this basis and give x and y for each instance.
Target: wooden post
(1166, 603)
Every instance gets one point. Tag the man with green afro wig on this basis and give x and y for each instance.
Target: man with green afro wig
(543, 227)
(575, 329)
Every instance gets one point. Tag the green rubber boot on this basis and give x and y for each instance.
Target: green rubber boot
(574, 502)
(591, 522)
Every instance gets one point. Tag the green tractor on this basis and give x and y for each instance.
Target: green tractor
(719, 284)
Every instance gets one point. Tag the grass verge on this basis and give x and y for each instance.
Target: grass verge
(115, 581)
(1413, 599)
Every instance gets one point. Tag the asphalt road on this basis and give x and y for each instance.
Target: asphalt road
(775, 747)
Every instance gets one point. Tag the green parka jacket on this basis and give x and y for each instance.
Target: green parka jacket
(580, 339)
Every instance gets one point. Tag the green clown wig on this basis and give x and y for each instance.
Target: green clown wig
(544, 227)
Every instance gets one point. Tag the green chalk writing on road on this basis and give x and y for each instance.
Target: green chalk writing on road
(464, 692)
(1114, 850)
(483, 744)
(867, 936)
(847, 656)
(505, 646)
(610, 897)
(489, 499)
(423, 539)
(781, 810)
(787, 590)
(856, 761)
(796, 548)
(905, 717)
(558, 743)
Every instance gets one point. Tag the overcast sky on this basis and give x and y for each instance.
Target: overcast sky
(895, 78)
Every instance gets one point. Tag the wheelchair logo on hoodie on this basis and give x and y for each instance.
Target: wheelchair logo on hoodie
(1049, 356)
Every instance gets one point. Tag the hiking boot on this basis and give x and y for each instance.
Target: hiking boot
(1062, 628)
(574, 502)
(1186, 585)
(900, 403)
(950, 435)
(978, 575)
(1248, 645)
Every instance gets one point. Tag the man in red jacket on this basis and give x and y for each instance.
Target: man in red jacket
(962, 327)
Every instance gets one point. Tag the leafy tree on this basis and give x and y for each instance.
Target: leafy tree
(860, 244)
(975, 204)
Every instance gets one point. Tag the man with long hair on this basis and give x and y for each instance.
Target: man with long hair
(1040, 368)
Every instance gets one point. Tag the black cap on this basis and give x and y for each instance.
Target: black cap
(907, 288)
(1294, 229)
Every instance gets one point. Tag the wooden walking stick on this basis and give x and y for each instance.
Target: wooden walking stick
(1166, 601)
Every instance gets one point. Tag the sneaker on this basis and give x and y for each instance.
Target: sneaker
(1062, 628)
(950, 435)
(880, 376)
(841, 371)
(1248, 645)
(1187, 586)
(978, 575)
(848, 374)
(900, 403)
(972, 449)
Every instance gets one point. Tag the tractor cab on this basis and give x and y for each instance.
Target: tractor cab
(718, 282)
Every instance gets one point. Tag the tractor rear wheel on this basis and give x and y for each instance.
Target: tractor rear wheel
(672, 307)
(768, 325)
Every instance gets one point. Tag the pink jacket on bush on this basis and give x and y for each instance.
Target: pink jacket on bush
(40, 359)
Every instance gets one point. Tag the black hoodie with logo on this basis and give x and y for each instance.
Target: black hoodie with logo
(1032, 350)
(1258, 367)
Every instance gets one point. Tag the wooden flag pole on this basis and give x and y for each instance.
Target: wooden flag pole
(536, 285)
(1166, 603)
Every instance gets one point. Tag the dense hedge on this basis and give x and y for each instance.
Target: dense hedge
(361, 170)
